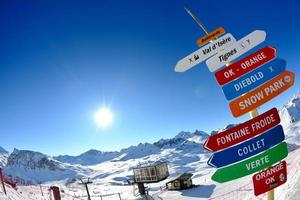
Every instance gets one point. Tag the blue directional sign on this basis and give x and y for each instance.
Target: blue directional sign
(253, 79)
(248, 148)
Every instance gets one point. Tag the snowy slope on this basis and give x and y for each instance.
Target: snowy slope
(38, 167)
(184, 153)
(290, 112)
(290, 119)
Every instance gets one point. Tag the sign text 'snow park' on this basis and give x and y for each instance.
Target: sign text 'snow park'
(262, 94)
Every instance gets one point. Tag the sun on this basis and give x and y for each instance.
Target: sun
(103, 117)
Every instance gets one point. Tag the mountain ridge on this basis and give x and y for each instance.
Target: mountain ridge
(181, 150)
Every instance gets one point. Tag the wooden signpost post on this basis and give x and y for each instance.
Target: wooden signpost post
(257, 144)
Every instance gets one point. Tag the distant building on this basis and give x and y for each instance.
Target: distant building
(184, 181)
(151, 173)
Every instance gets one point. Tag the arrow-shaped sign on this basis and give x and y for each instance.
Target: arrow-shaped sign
(204, 53)
(245, 65)
(248, 148)
(244, 131)
(239, 48)
(262, 94)
(251, 165)
(253, 79)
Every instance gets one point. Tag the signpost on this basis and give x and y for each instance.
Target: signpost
(251, 165)
(262, 94)
(256, 144)
(245, 65)
(270, 178)
(239, 48)
(243, 131)
(248, 148)
(210, 36)
(204, 53)
(253, 79)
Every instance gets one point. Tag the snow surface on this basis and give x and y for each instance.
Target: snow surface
(110, 171)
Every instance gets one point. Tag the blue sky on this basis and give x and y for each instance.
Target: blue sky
(62, 60)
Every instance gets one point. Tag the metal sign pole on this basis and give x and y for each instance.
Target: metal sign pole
(196, 20)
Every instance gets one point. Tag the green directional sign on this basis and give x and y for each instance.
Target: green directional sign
(251, 165)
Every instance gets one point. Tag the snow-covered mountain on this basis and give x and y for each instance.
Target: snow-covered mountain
(183, 138)
(38, 167)
(90, 157)
(3, 157)
(290, 112)
(184, 153)
(290, 119)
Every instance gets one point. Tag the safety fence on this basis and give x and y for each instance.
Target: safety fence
(242, 192)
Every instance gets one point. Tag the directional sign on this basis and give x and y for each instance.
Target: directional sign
(210, 36)
(253, 79)
(248, 148)
(251, 165)
(243, 131)
(205, 52)
(270, 178)
(262, 94)
(245, 65)
(239, 48)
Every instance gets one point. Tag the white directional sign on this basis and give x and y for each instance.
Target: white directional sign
(239, 48)
(205, 52)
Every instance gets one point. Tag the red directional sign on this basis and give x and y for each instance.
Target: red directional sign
(245, 65)
(270, 178)
(243, 131)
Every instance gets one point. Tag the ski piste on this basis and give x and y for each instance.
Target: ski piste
(205, 52)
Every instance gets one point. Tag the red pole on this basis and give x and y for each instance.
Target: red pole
(56, 192)
(2, 181)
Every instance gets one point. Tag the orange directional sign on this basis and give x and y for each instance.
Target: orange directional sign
(210, 36)
(262, 94)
